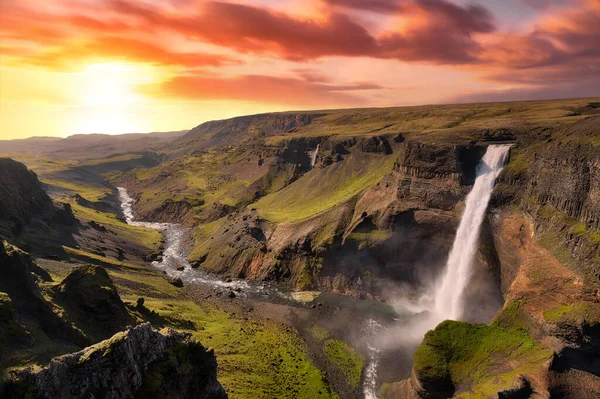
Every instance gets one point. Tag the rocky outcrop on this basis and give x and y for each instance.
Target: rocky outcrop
(22, 197)
(139, 362)
(557, 182)
(20, 276)
(26, 209)
(13, 335)
(91, 302)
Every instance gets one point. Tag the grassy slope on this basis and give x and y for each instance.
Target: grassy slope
(442, 123)
(468, 353)
(322, 189)
(201, 179)
(256, 358)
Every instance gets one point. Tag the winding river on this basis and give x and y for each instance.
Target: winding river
(174, 253)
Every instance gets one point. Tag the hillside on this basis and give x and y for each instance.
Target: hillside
(326, 220)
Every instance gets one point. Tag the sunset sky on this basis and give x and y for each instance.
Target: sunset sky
(119, 66)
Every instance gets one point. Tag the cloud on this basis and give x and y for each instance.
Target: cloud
(584, 89)
(122, 48)
(259, 88)
(437, 31)
(434, 31)
(379, 6)
(563, 46)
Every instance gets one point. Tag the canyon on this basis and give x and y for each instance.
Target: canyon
(322, 233)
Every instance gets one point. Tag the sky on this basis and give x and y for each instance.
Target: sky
(117, 66)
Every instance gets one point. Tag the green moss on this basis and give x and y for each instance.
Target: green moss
(88, 191)
(579, 229)
(318, 333)
(512, 316)
(322, 189)
(256, 359)
(148, 238)
(573, 313)
(519, 162)
(346, 359)
(6, 309)
(458, 350)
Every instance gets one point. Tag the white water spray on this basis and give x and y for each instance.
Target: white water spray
(444, 300)
(313, 160)
(371, 329)
(448, 302)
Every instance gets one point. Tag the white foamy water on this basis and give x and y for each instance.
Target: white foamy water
(444, 300)
(371, 329)
(313, 159)
(174, 253)
(448, 303)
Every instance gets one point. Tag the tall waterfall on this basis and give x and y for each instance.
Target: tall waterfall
(313, 160)
(448, 295)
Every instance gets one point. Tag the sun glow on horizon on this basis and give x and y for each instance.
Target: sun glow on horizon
(107, 93)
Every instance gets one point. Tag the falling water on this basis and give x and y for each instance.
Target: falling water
(314, 157)
(448, 296)
(371, 329)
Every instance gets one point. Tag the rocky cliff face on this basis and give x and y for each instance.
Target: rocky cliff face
(20, 281)
(91, 302)
(139, 362)
(557, 182)
(399, 225)
(21, 196)
(25, 208)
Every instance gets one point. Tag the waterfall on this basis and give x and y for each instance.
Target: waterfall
(314, 157)
(448, 295)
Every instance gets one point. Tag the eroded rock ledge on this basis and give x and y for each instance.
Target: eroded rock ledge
(138, 362)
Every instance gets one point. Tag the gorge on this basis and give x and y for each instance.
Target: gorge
(344, 252)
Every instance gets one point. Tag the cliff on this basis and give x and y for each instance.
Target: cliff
(26, 209)
(139, 362)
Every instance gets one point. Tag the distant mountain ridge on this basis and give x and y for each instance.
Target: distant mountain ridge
(88, 146)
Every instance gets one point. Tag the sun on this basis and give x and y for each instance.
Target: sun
(107, 98)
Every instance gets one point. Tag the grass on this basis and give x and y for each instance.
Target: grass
(436, 123)
(322, 189)
(519, 162)
(318, 333)
(256, 359)
(130, 278)
(144, 236)
(573, 313)
(512, 316)
(458, 351)
(346, 359)
(90, 192)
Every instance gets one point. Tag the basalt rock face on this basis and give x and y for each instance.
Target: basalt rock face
(558, 184)
(399, 228)
(139, 362)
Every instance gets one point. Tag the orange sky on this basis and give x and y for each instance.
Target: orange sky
(119, 66)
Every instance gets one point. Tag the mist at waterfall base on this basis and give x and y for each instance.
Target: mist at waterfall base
(443, 298)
